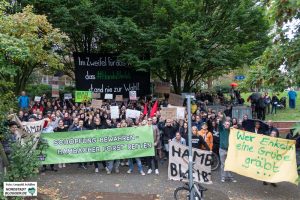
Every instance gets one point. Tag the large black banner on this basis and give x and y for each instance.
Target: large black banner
(103, 73)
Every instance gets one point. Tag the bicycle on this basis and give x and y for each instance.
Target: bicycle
(183, 193)
(215, 161)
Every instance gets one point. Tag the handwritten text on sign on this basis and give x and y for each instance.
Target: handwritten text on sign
(178, 163)
(261, 157)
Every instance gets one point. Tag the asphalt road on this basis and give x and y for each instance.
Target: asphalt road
(73, 183)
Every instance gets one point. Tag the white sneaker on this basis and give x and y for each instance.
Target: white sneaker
(156, 172)
(107, 170)
(142, 173)
(63, 165)
(117, 170)
(59, 166)
(149, 171)
(129, 171)
(96, 170)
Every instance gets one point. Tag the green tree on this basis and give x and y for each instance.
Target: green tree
(28, 43)
(179, 41)
(284, 51)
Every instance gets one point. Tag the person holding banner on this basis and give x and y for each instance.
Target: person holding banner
(138, 162)
(169, 132)
(97, 126)
(207, 136)
(157, 147)
(224, 130)
(272, 134)
(80, 127)
(198, 141)
(184, 131)
(61, 128)
(179, 139)
(114, 163)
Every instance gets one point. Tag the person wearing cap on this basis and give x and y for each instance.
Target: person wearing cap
(207, 136)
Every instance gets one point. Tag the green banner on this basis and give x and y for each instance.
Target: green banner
(97, 145)
(81, 96)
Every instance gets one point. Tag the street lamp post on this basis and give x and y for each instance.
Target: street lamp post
(190, 146)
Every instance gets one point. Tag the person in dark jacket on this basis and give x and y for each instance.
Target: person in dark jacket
(97, 126)
(257, 128)
(274, 103)
(197, 140)
(272, 128)
(184, 132)
(80, 127)
(169, 132)
(261, 108)
(61, 128)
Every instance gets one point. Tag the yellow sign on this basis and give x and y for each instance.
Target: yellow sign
(261, 157)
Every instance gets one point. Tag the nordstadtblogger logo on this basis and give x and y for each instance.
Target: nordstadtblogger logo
(31, 191)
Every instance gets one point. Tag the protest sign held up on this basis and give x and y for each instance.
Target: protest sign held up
(37, 99)
(178, 163)
(162, 87)
(114, 112)
(175, 99)
(96, 103)
(96, 95)
(119, 98)
(108, 96)
(168, 113)
(67, 96)
(180, 111)
(132, 95)
(132, 113)
(55, 91)
(261, 157)
(81, 96)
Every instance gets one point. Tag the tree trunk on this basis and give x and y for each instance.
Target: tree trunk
(209, 83)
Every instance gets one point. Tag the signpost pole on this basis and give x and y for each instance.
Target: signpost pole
(190, 146)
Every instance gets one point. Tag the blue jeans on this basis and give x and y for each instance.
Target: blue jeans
(110, 164)
(298, 160)
(292, 103)
(138, 162)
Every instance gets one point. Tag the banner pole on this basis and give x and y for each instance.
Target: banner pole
(190, 146)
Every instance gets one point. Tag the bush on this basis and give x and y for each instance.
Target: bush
(33, 90)
(24, 163)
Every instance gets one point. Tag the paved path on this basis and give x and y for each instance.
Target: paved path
(72, 183)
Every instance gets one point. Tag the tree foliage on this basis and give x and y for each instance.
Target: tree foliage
(279, 65)
(179, 41)
(28, 42)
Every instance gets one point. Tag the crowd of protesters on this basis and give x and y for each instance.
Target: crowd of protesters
(210, 129)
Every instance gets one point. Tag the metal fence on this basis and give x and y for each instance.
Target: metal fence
(239, 111)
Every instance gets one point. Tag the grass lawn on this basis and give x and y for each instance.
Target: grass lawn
(282, 114)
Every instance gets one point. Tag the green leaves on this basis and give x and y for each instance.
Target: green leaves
(182, 41)
(28, 42)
